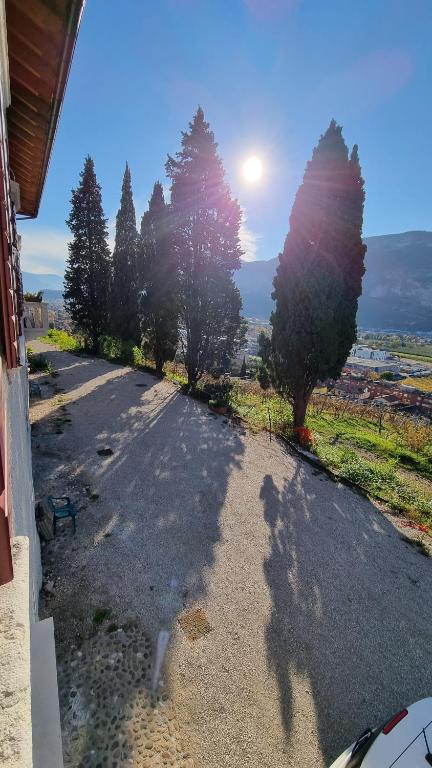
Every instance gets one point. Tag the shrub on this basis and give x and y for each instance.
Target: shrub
(176, 372)
(137, 357)
(29, 296)
(38, 363)
(218, 393)
(417, 435)
(63, 340)
(125, 352)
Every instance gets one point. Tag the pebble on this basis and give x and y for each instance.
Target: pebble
(123, 728)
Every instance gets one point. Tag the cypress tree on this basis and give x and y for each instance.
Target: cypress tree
(124, 301)
(243, 369)
(207, 222)
(318, 279)
(158, 282)
(88, 268)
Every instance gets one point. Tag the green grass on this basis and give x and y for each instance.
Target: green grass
(394, 344)
(364, 434)
(380, 479)
(412, 356)
(342, 441)
(63, 340)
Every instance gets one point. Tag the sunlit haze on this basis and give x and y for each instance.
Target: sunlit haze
(252, 169)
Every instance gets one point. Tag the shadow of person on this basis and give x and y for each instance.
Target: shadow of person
(349, 635)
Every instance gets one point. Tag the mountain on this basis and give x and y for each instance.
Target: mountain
(254, 281)
(33, 283)
(52, 297)
(397, 286)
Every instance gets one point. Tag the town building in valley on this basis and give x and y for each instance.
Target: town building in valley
(369, 353)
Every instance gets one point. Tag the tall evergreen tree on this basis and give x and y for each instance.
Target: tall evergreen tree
(158, 281)
(124, 301)
(88, 268)
(207, 222)
(318, 279)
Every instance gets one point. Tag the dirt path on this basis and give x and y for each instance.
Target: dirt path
(320, 613)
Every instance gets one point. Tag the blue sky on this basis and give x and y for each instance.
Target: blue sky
(269, 74)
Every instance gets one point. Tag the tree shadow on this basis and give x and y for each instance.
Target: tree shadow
(159, 498)
(349, 637)
(77, 369)
(163, 487)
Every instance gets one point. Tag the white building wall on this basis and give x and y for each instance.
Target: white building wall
(368, 353)
(21, 493)
(15, 675)
(36, 320)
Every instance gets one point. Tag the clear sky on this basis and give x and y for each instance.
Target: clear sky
(269, 74)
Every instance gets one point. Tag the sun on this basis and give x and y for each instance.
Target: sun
(252, 169)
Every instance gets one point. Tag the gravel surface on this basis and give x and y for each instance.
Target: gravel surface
(317, 612)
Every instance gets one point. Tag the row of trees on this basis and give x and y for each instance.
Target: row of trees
(176, 273)
(173, 281)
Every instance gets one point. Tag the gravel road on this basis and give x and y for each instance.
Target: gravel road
(320, 612)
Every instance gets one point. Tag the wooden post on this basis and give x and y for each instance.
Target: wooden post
(270, 423)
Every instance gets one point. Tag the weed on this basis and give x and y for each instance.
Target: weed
(92, 495)
(101, 615)
(38, 363)
(418, 543)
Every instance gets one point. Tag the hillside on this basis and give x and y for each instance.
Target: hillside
(34, 283)
(397, 287)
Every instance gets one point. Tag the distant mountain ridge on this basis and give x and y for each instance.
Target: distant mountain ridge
(397, 286)
(33, 283)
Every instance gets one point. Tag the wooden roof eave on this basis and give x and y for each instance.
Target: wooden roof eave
(41, 42)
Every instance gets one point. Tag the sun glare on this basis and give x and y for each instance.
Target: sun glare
(252, 169)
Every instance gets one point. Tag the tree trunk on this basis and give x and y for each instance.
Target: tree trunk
(192, 377)
(159, 364)
(192, 370)
(299, 409)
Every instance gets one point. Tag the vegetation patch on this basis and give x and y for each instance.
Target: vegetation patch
(424, 383)
(38, 363)
(418, 543)
(344, 431)
(63, 340)
(101, 615)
